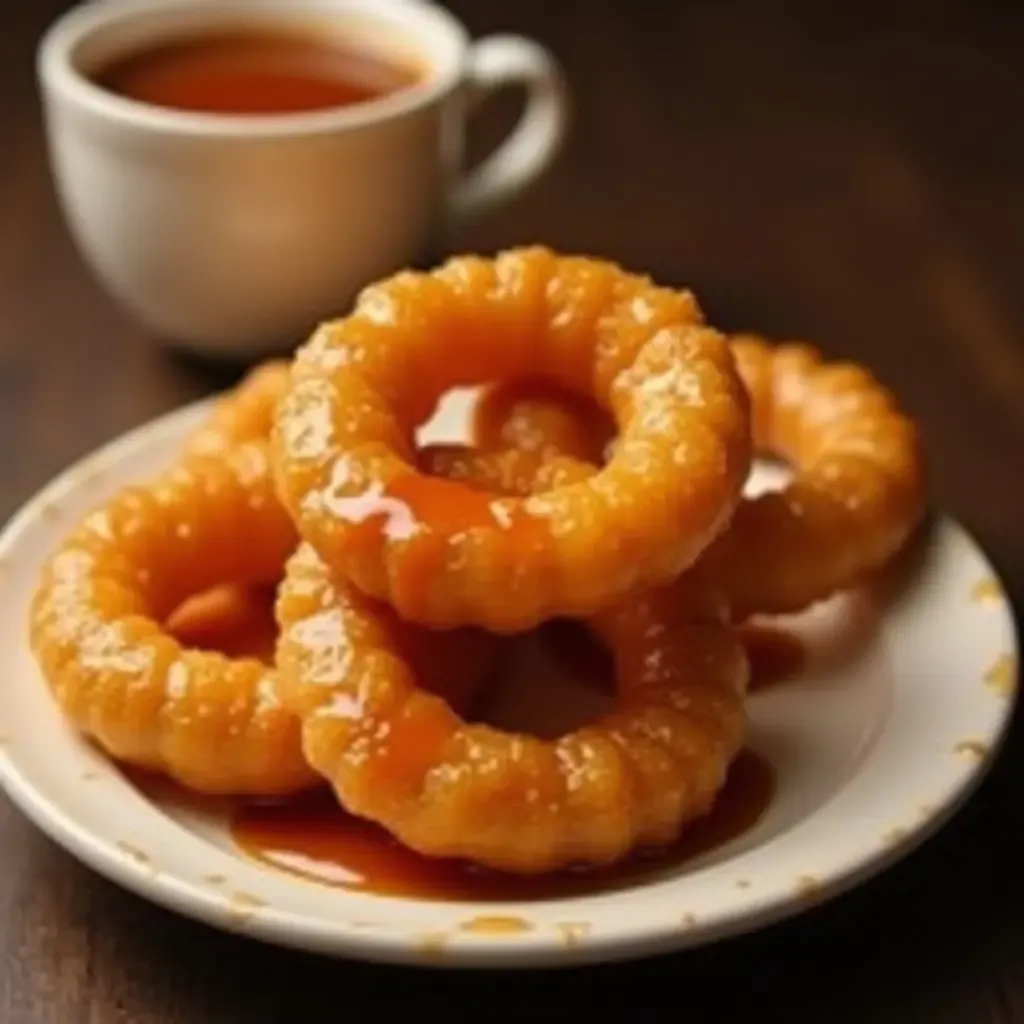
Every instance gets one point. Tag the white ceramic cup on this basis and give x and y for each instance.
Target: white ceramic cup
(233, 235)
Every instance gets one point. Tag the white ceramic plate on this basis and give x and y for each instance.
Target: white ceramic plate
(893, 723)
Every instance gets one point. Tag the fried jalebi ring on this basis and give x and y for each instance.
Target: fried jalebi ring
(243, 414)
(445, 554)
(405, 759)
(211, 722)
(532, 416)
(236, 621)
(858, 487)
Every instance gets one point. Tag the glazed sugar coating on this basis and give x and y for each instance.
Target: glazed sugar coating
(440, 552)
(211, 722)
(181, 560)
(857, 493)
(397, 755)
(858, 490)
(239, 621)
(236, 621)
(532, 416)
(243, 414)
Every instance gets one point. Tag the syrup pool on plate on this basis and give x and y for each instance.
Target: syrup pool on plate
(311, 837)
(776, 655)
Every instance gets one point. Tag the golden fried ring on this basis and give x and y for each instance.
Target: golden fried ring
(404, 758)
(234, 620)
(211, 722)
(857, 494)
(244, 413)
(444, 554)
(532, 416)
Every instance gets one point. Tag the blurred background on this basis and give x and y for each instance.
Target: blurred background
(851, 174)
(842, 172)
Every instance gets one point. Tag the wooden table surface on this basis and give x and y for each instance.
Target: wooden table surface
(856, 179)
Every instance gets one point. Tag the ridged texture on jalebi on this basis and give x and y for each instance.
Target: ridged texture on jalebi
(444, 554)
(243, 414)
(110, 601)
(530, 415)
(399, 756)
(858, 486)
(211, 722)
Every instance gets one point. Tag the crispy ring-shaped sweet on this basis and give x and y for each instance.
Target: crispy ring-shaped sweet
(211, 722)
(243, 414)
(532, 416)
(404, 758)
(857, 494)
(445, 554)
(236, 621)
(858, 490)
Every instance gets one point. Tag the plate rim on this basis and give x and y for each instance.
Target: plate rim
(536, 949)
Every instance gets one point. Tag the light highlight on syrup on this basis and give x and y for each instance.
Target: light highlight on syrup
(314, 839)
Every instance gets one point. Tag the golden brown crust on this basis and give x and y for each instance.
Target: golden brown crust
(211, 722)
(511, 801)
(243, 414)
(533, 416)
(107, 614)
(441, 554)
(857, 493)
(858, 489)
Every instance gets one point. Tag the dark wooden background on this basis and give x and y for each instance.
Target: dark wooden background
(848, 175)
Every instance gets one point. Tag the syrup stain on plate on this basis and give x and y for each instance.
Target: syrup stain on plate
(776, 655)
(312, 838)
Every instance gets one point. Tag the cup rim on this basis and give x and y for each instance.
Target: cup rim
(58, 74)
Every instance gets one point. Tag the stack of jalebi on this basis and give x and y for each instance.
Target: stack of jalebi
(604, 482)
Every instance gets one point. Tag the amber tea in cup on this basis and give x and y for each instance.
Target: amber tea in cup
(256, 71)
(236, 171)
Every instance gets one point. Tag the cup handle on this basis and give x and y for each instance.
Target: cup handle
(494, 63)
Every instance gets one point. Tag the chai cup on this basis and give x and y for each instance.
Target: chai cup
(232, 235)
